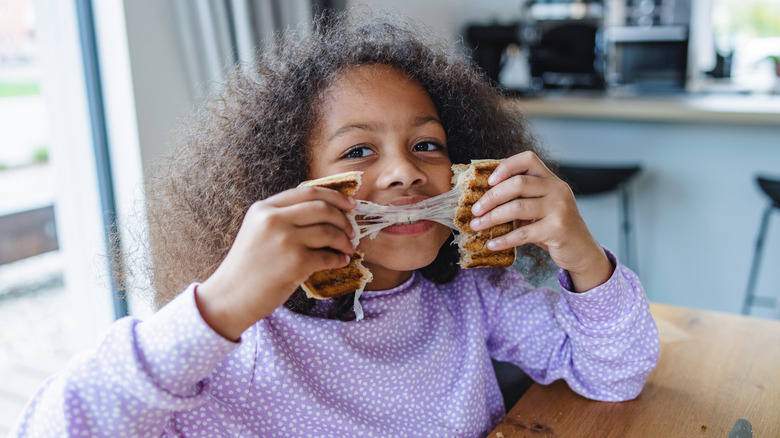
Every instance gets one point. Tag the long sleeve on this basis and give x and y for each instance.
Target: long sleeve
(602, 342)
(130, 385)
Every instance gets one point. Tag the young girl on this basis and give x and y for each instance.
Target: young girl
(240, 351)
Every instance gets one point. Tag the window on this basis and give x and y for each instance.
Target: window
(54, 299)
(748, 33)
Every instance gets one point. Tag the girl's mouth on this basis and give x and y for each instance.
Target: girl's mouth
(408, 215)
(409, 229)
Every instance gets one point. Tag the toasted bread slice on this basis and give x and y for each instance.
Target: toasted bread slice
(472, 244)
(332, 283)
(347, 183)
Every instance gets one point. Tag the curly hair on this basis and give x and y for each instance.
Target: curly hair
(245, 143)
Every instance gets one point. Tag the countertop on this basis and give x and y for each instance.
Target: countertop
(706, 108)
(715, 370)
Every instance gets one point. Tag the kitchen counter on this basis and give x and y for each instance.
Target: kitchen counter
(697, 189)
(706, 108)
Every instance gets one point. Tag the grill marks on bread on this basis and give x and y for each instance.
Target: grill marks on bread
(334, 283)
(472, 244)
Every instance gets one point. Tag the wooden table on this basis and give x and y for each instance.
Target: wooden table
(715, 368)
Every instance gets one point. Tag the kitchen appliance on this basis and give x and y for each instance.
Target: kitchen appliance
(647, 44)
(634, 46)
(565, 50)
(490, 43)
(555, 46)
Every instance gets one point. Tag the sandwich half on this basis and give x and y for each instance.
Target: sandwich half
(472, 179)
(332, 283)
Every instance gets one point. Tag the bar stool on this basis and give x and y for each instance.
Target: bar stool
(512, 381)
(771, 188)
(587, 180)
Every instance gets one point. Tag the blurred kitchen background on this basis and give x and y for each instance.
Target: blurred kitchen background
(683, 93)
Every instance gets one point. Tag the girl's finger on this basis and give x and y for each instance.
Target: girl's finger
(524, 209)
(318, 212)
(525, 186)
(325, 236)
(310, 193)
(324, 259)
(520, 236)
(522, 163)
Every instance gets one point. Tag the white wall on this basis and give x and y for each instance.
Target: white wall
(161, 84)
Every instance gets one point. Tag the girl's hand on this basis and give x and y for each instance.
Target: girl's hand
(545, 213)
(282, 241)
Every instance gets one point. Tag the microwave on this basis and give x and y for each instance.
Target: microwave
(647, 59)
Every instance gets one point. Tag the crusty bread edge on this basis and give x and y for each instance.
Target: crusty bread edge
(339, 177)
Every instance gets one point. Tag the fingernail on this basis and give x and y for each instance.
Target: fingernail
(493, 179)
(352, 201)
(477, 208)
(347, 258)
(475, 223)
(492, 245)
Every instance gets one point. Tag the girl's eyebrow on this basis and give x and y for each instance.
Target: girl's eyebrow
(352, 127)
(371, 126)
(419, 121)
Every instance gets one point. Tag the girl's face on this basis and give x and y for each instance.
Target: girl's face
(377, 120)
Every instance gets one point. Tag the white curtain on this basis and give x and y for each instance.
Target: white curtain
(214, 35)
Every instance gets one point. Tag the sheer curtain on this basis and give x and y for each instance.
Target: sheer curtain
(216, 34)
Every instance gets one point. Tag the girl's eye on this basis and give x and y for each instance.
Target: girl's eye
(427, 146)
(358, 152)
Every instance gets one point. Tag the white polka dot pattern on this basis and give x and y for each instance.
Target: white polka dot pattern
(417, 365)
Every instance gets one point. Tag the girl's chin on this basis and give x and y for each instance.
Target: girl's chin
(405, 265)
(404, 247)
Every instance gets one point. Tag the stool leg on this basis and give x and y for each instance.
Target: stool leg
(750, 293)
(626, 247)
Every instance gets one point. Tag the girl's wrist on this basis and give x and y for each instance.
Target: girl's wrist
(216, 315)
(597, 272)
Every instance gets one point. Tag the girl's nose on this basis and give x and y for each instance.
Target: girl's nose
(401, 172)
